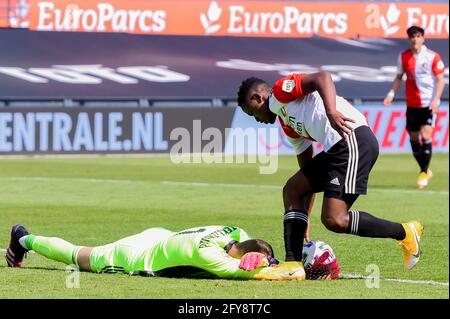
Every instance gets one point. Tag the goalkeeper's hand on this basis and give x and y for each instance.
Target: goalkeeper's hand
(253, 260)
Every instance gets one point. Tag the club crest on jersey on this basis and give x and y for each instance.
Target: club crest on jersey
(288, 86)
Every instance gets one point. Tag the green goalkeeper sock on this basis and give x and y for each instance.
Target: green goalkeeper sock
(53, 248)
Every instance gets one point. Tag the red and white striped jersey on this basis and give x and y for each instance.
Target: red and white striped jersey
(421, 70)
(303, 117)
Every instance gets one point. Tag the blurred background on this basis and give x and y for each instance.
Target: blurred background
(117, 76)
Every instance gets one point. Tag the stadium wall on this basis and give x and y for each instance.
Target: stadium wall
(115, 92)
(177, 131)
(77, 65)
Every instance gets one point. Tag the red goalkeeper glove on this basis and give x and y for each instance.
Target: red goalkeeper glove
(253, 260)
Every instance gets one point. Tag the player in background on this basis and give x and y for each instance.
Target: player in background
(425, 83)
(309, 110)
(201, 252)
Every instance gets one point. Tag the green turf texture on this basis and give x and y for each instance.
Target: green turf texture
(96, 200)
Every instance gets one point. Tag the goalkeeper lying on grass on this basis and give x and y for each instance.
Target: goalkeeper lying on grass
(200, 252)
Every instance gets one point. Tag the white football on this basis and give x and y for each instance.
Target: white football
(319, 260)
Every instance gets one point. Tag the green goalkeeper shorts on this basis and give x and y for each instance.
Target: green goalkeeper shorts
(128, 254)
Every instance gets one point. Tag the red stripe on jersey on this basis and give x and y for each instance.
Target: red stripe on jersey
(296, 92)
(412, 91)
(288, 130)
(434, 67)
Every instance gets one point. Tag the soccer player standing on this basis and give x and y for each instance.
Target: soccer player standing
(309, 110)
(425, 83)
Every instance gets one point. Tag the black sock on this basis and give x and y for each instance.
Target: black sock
(415, 146)
(426, 151)
(294, 223)
(366, 225)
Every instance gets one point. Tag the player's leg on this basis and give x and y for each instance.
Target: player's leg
(295, 195)
(413, 128)
(127, 255)
(336, 213)
(426, 132)
(416, 146)
(51, 247)
(16, 251)
(83, 258)
(419, 124)
(337, 217)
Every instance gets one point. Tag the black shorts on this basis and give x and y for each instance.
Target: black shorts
(343, 171)
(417, 117)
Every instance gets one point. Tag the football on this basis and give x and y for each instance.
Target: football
(319, 261)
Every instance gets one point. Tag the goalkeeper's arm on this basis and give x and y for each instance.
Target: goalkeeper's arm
(216, 261)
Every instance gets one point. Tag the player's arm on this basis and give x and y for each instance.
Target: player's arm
(439, 88)
(395, 86)
(302, 159)
(323, 84)
(438, 69)
(216, 261)
(396, 83)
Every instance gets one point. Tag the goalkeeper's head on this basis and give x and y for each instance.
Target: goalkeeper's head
(239, 249)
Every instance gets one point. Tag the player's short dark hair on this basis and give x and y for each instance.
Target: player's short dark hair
(246, 85)
(414, 30)
(256, 245)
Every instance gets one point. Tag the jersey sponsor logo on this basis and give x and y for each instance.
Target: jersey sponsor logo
(288, 86)
(287, 129)
(206, 241)
(299, 128)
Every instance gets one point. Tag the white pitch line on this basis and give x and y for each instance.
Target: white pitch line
(201, 184)
(408, 281)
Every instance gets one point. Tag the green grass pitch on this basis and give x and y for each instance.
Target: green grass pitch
(96, 200)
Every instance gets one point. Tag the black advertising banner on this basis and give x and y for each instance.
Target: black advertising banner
(110, 65)
(109, 130)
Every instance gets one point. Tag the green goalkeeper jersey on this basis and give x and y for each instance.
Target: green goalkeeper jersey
(194, 252)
